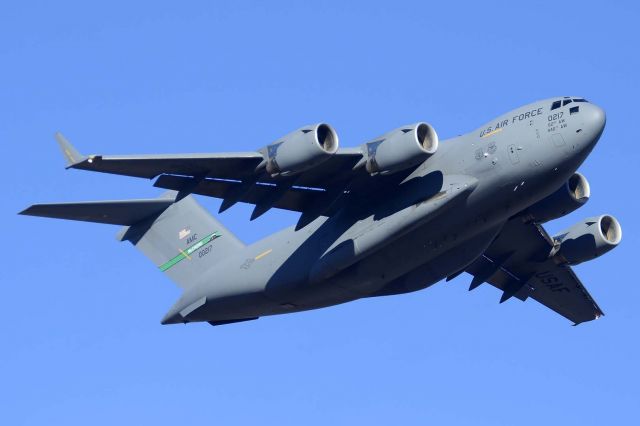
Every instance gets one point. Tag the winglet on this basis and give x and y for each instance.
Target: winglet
(71, 155)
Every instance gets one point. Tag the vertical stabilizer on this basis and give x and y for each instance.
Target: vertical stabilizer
(183, 241)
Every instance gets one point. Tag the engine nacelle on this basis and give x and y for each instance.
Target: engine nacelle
(300, 150)
(587, 240)
(574, 193)
(400, 149)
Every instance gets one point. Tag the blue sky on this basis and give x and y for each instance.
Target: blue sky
(80, 335)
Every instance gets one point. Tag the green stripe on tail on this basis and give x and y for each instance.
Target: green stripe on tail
(187, 253)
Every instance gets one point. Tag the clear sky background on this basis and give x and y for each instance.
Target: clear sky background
(80, 335)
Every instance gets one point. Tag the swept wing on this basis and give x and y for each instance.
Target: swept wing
(518, 263)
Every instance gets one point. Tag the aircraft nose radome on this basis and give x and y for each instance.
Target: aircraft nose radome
(596, 117)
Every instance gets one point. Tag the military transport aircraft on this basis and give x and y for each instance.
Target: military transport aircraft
(394, 215)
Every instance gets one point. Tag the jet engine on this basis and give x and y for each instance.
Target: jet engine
(587, 240)
(300, 150)
(400, 149)
(574, 193)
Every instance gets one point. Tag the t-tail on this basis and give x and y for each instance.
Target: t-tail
(174, 232)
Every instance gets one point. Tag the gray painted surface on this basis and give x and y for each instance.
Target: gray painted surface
(472, 203)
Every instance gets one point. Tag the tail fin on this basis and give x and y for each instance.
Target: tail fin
(183, 241)
(177, 234)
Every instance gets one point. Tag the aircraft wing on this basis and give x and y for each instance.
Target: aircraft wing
(234, 176)
(229, 165)
(518, 263)
(224, 165)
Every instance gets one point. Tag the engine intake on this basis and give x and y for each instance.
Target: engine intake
(401, 148)
(300, 150)
(588, 239)
(573, 194)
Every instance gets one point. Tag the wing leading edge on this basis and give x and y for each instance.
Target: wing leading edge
(518, 263)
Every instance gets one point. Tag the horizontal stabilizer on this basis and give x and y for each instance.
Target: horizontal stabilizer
(225, 322)
(124, 212)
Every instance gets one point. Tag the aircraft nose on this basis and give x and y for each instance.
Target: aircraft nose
(595, 118)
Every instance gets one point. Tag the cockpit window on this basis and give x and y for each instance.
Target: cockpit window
(580, 100)
(555, 105)
(566, 101)
(574, 110)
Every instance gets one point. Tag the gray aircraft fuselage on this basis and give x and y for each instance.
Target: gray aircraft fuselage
(409, 242)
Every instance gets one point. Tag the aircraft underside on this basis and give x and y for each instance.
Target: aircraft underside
(394, 215)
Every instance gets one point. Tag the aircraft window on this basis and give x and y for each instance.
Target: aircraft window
(555, 105)
(574, 110)
(580, 100)
(566, 101)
